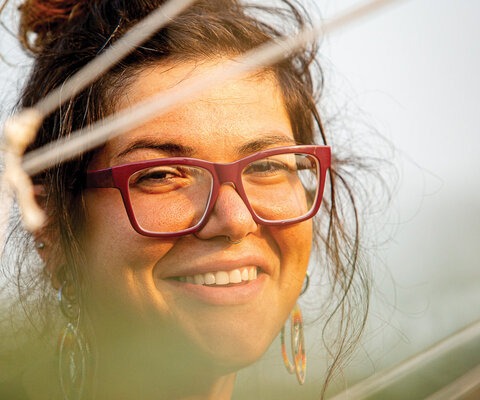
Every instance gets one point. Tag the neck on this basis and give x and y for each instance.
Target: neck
(153, 372)
(181, 388)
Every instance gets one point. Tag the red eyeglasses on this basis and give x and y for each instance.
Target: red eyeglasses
(169, 197)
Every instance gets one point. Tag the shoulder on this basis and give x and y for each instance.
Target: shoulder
(13, 389)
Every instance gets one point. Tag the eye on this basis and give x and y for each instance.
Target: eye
(157, 175)
(266, 167)
(161, 179)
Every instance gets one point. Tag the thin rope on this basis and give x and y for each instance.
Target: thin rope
(459, 388)
(102, 63)
(383, 379)
(117, 124)
(20, 130)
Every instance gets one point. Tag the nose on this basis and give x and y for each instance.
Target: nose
(230, 217)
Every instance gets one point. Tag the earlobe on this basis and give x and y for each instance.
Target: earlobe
(44, 239)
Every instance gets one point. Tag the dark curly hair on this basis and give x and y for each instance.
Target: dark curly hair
(63, 36)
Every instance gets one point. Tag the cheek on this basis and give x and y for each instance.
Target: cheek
(119, 260)
(294, 244)
(107, 230)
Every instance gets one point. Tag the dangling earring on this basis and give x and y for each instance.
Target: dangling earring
(306, 284)
(72, 349)
(297, 346)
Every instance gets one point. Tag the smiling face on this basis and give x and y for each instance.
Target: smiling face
(156, 284)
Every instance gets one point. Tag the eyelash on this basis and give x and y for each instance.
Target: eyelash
(152, 173)
(268, 164)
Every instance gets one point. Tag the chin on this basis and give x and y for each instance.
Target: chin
(234, 351)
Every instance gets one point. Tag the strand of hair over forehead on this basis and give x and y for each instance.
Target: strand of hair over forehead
(90, 137)
(106, 60)
(22, 127)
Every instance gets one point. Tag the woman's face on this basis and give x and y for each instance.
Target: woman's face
(143, 281)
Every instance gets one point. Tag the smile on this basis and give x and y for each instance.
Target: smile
(221, 278)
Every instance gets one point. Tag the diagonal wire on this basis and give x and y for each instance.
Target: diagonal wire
(267, 54)
(102, 63)
(372, 385)
(21, 129)
(467, 385)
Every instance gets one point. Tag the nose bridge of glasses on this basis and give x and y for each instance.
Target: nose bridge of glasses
(227, 174)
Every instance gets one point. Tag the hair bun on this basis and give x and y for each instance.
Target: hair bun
(42, 21)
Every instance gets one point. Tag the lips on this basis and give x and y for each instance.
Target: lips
(218, 268)
(221, 278)
(218, 278)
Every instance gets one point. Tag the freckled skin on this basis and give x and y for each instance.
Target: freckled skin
(126, 271)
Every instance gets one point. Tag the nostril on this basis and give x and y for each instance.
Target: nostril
(230, 216)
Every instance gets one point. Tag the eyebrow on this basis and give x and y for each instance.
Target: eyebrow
(170, 148)
(264, 142)
(179, 150)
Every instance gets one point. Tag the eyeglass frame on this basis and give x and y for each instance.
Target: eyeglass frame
(118, 177)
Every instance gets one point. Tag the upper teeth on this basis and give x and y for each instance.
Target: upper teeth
(222, 277)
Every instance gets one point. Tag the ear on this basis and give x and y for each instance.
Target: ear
(47, 239)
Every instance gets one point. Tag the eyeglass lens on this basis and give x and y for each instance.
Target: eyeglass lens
(172, 198)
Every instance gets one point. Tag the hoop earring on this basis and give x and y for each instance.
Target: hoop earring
(306, 284)
(297, 342)
(72, 350)
(72, 363)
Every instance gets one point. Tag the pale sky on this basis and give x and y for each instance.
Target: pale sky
(412, 71)
(412, 74)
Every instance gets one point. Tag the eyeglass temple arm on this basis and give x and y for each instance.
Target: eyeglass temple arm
(100, 179)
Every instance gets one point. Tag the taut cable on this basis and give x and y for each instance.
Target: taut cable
(106, 60)
(121, 122)
(21, 129)
(86, 139)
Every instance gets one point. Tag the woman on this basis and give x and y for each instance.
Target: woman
(178, 250)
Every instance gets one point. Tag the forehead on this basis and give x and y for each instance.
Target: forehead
(217, 125)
